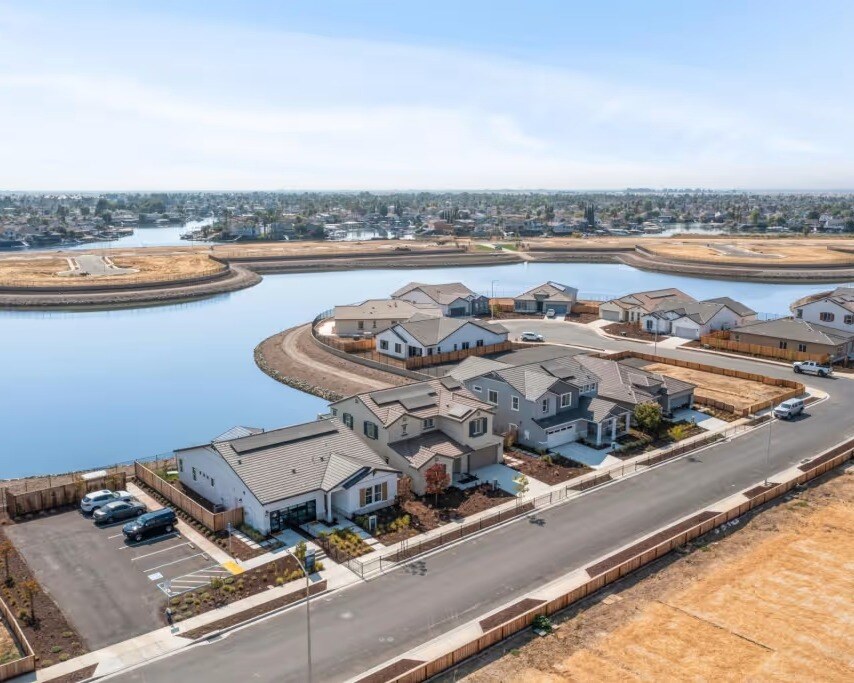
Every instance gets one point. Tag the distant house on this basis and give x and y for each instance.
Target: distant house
(549, 295)
(375, 315)
(832, 309)
(793, 334)
(418, 425)
(427, 336)
(632, 307)
(454, 298)
(691, 320)
(294, 475)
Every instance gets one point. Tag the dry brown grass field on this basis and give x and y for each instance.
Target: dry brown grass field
(751, 252)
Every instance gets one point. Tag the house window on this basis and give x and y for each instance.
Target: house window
(784, 344)
(849, 319)
(180, 464)
(565, 400)
(477, 388)
(514, 402)
(348, 420)
(384, 344)
(477, 427)
(398, 348)
(799, 313)
(479, 342)
(370, 430)
(492, 396)
(375, 324)
(403, 427)
(802, 348)
(213, 481)
(428, 423)
(361, 324)
(545, 405)
(373, 494)
(334, 412)
(194, 474)
(465, 346)
(826, 317)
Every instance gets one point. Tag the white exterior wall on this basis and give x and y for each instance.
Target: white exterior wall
(317, 496)
(228, 489)
(811, 313)
(469, 332)
(727, 319)
(611, 309)
(664, 326)
(347, 500)
(397, 336)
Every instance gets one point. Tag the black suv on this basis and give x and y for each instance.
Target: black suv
(150, 524)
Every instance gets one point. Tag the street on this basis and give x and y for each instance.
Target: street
(372, 622)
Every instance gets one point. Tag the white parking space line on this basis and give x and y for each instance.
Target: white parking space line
(125, 546)
(167, 564)
(162, 550)
(110, 538)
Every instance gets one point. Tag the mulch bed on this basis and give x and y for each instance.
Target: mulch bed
(251, 582)
(76, 676)
(659, 442)
(509, 613)
(252, 612)
(634, 550)
(386, 516)
(560, 470)
(632, 332)
(391, 672)
(757, 491)
(453, 504)
(51, 636)
(241, 551)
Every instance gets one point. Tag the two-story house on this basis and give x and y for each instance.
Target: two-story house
(546, 404)
(454, 298)
(418, 425)
(830, 309)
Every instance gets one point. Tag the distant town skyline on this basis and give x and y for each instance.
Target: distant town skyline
(447, 96)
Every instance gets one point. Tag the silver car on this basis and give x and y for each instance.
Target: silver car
(531, 337)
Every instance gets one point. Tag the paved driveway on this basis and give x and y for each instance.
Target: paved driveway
(106, 587)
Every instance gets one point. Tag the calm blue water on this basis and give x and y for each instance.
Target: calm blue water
(80, 390)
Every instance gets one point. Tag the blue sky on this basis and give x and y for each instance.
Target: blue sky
(438, 95)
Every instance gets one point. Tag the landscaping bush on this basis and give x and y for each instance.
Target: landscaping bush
(678, 432)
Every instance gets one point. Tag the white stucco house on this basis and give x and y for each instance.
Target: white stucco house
(832, 309)
(453, 298)
(289, 476)
(691, 320)
(425, 336)
(632, 307)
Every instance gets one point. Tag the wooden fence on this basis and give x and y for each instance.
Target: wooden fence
(452, 356)
(591, 307)
(18, 504)
(27, 662)
(349, 345)
(415, 671)
(795, 388)
(721, 340)
(215, 521)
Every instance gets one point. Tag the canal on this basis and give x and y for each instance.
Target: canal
(87, 389)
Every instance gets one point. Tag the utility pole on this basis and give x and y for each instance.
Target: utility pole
(768, 451)
(492, 300)
(307, 608)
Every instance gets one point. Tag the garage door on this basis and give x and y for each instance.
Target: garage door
(680, 402)
(482, 458)
(687, 332)
(560, 435)
(457, 312)
(611, 315)
(559, 309)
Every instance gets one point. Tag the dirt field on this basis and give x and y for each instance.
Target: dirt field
(755, 251)
(41, 271)
(738, 392)
(8, 649)
(320, 248)
(771, 601)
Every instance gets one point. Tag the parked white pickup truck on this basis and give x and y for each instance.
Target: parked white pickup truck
(810, 367)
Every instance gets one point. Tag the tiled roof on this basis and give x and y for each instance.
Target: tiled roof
(591, 409)
(736, 307)
(384, 309)
(421, 449)
(294, 460)
(431, 331)
(551, 291)
(628, 384)
(444, 294)
(796, 330)
(650, 300)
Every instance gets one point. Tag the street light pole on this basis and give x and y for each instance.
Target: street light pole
(307, 609)
(768, 451)
(492, 300)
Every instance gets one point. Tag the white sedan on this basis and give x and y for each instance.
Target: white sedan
(531, 337)
(98, 499)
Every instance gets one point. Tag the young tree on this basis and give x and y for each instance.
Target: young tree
(648, 417)
(522, 484)
(437, 479)
(404, 489)
(31, 588)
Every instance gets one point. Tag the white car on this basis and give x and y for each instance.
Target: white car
(789, 409)
(531, 337)
(98, 499)
(810, 367)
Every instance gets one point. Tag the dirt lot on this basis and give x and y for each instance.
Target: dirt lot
(631, 331)
(754, 251)
(9, 651)
(453, 504)
(42, 270)
(770, 601)
(738, 392)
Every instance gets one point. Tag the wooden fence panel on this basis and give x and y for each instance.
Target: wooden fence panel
(721, 340)
(451, 356)
(61, 495)
(27, 662)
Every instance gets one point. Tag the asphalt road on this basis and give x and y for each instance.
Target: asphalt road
(369, 623)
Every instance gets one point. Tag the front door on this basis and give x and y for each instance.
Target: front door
(293, 516)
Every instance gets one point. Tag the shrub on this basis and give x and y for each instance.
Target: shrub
(55, 649)
(68, 634)
(678, 432)
(64, 657)
(548, 459)
(280, 580)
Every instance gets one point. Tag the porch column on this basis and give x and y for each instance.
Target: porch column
(614, 429)
(598, 433)
(327, 503)
(628, 421)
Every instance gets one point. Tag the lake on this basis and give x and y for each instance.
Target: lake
(87, 389)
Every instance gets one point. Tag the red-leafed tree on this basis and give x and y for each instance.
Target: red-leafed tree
(437, 480)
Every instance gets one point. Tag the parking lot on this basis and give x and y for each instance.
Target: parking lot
(109, 589)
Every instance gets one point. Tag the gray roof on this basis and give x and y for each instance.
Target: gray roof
(444, 293)
(631, 385)
(842, 296)
(736, 307)
(384, 309)
(797, 330)
(420, 449)
(550, 291)
(652, 299)
(431, 331)
(475, 366)
(591, 409)
(237, 432)
(287, 462)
